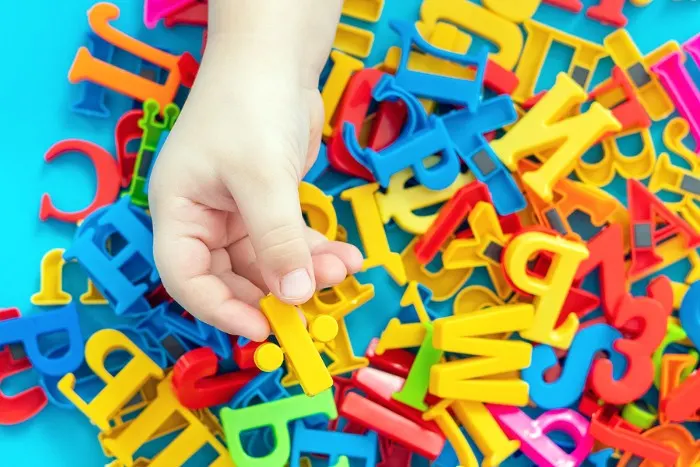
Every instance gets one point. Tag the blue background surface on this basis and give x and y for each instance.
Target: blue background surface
(38, 41)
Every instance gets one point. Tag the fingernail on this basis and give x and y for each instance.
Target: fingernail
(296, 285)
(356, 262)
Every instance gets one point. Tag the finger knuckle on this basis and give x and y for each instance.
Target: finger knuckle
(282, 245)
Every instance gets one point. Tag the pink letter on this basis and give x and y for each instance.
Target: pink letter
(532, 434)
(680, 87)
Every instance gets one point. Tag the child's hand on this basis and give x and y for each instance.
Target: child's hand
(224, 192)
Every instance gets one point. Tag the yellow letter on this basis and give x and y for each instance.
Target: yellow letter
(539, 42)
(343, 67)
(439, 414)
(482, 250)
(353, 40)
(543, 128)
(457, 379)
(371, 230)
(399, 202)
(319, 210)
(513, 10)
(485, 432)
(92, 296)
(444, 284)
(550, 291)
(476, 19)
(337, 302)
(195, 435)
(51, 291)
(119, 389)
(296, 342)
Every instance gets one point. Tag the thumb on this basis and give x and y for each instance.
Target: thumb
(267, 194)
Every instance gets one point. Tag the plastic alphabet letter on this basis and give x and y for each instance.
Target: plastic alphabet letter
(353, 40)
(151, 142)
(616, 162)
(319, 210)
(466, 129)
(619, 95)
(123, 444)
(92, 103)
(485, 431)
(474, 18)
(444, 283)
(516, 12)
(265, 387)
(449, 37)
(127, 130)
(26, 404)
(439, 88)
(390, 425)
(570, 385)
(195, 382)
(399, 202)
(673, 435)
(416, 387)
(669, 177)
(90, 68)
(645, 210)
(465, 379)
(372, 233)
(639, 376)
(449, 219)
(380, 387)
(551, 290)
(296, 342)
(343, 67)
(682, 404)
(440, 415)
(357, 97)
(533, 438)
(620, 438)
(195, 330)
(194, 15)
(337, 302)
(680, 86)
(574, 6)
(638, 70)
(115, 275)
(444, 36)
(483, 250)
(120, 388)
(570, 197)
(396, 362)
(546, 126)
(276, 415)
(244, 353)
(26, 330)
(320, 166)
(51, 291)
(675, 369)
(364, 10)
(608, 12)
(107, 180)
(399, 335)
(540, 39)
(689, 313)
(414, 304)
(606, 253)
(674, 334)
(334, 444)
(155, 10)
(421, 137)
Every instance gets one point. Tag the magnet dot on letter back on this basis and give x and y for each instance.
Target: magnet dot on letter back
(296, 343)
